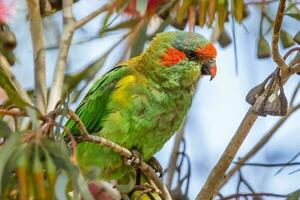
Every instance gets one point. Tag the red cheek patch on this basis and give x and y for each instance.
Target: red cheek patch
(171, 57)
(207, 52)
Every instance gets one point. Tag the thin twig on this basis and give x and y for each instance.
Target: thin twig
(37, 36)
(275, 37)
(217, 173)
(254, 195)
(296, 90)
(258, 146)
(260, 2)
(91, 16)
(269, 164)
(174, 155)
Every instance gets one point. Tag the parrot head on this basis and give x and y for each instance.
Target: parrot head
(177, 59)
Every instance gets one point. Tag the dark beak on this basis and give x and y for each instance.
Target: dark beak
(209, 68)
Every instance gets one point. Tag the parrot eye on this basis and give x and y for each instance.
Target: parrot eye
(191, 55)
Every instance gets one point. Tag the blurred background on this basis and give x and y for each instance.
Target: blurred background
(219, 105)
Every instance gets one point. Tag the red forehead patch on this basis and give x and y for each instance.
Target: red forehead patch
(207, 52)
(171, 57)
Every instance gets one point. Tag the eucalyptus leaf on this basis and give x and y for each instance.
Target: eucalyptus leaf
(4, 129)
(6, 152)
(10, 89)
(294, 15)
(294, 196)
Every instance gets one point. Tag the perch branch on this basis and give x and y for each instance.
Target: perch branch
(147, 170)
(37, 36)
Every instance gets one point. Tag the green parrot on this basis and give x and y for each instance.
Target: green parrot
(142, 102)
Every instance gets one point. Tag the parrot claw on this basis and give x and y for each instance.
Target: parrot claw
(144, 189)
(153, 162)
(135, 160)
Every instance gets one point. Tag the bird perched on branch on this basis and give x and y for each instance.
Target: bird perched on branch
(142, 102)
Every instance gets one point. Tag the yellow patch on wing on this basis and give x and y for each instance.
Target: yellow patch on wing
(121, 94)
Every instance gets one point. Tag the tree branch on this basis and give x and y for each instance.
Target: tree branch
(64, 45)
(236, 196)
(258, 146)
(91, 16)
(37, 36)
(146, 169)
(217, 173)
(174, 155)
(70, 25)
(277, 25)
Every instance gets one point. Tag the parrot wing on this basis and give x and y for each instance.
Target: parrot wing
(93, 107)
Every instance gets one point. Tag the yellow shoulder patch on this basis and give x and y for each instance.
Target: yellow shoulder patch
(121, 93)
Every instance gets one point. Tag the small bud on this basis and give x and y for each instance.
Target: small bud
(259, 106)
(263, 48)
(254, 93)
(224, 39)
(273, 105)
(284, 102)
(286, 39)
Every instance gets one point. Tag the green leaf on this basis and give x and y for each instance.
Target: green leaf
(125, 24)
(263, 48)
(139, 41)
(286, 39)
(294, 196)
(294, 15)
(4, 129)
(10, 90)
(6, 152)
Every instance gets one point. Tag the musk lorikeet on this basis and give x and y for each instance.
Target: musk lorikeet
(142, 102)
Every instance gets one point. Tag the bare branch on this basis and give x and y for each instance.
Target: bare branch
(277, 25)
(64, 45)
(70, 25)
(269, 164)
(91, 16)
(37, 36)
(235, 196)
(174, 155)
(258, 146)
(217, 173)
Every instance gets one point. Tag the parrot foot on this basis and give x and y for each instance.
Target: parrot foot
(135, 160)
(154, 163)
(143, 189)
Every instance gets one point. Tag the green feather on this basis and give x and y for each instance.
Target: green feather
(138, 105)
